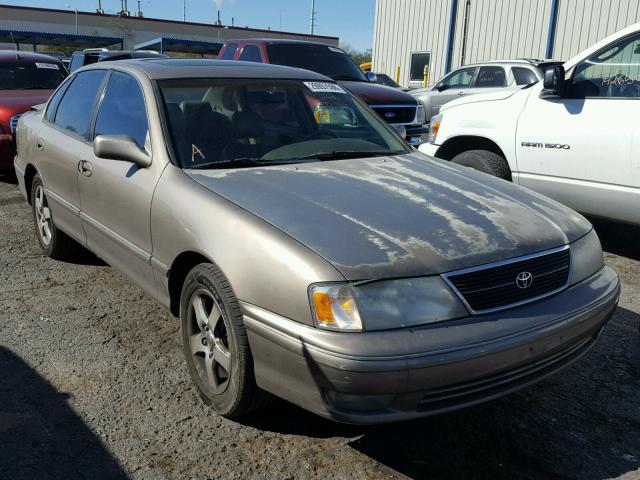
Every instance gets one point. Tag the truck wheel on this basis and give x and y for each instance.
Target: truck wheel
(54, 242)
(215, 344)
(485, 162)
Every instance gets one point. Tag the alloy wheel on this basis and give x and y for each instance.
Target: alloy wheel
(43, 216)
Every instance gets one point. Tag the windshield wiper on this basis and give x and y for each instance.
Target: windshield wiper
(342, 155)
(242, 162)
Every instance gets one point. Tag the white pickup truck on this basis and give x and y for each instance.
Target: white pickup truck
(575, 136)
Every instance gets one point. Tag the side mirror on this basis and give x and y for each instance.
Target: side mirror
(372, 77)
(441, 87)
(553, 82)
(120, 147)
(400, 129)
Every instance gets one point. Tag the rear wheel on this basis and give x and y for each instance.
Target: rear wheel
(54, 242)
(215, 344)
(485, 162)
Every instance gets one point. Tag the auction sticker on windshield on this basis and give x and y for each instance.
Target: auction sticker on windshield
(51, 66)
(324, 87)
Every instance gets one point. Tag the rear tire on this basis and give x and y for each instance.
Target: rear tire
(54, 242)
(215, 344)
(484, 161)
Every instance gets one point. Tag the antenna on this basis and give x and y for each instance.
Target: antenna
(184, 10)
(139, 12)
(125, 11)
(312, 19)
(218, 22)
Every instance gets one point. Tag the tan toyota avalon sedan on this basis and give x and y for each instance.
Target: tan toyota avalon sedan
(307, 250)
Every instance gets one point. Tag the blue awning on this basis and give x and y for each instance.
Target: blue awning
(180, 45)
(58, 39)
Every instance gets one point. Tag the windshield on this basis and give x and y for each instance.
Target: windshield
(324, 59)
(25, 75)
(227, 123)
(383, 79)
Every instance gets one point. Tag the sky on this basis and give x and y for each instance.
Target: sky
(351, 20)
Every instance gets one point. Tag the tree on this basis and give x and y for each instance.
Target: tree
(358, 56)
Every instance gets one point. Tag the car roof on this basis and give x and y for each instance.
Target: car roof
(169, 68)
(9, 55)
(279, 41)
(533, 62)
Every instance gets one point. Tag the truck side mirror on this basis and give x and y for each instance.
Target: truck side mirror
(372, 77)
(441, 87)
(553, 82)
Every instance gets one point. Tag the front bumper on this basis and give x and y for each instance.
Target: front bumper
(7, 151)
(375, 377)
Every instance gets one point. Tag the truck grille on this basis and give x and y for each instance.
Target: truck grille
(13, 123)
(513, 282)
(396, 113)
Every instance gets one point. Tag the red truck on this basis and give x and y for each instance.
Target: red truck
(26, 79)
(394, 106)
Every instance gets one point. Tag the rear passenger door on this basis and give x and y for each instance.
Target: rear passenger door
(116, 195)
(64, 135)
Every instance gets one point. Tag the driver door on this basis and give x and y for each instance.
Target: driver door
(454, 85)
(584, 149)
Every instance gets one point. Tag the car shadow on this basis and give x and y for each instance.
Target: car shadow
(8, 177)
(40, 434)
(618, 238)
(581, 423)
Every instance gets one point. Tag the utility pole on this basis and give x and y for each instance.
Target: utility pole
(100, 11)
(312, 20)
(184, 10)
(139, 12)
(76, 12)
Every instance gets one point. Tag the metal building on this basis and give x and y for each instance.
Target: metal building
(444, 34)
(131, 29)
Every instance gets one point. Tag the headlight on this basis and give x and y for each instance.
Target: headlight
(586, 257)
(434, 126)
(334, 307)
(385, 304)
(421, 115)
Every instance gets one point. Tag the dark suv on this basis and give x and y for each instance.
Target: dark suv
(394, 106)
(26, 79)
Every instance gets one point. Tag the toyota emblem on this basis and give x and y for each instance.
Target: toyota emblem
(524, 280)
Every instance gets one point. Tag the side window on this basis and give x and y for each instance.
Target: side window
(52, 106)
(460, 79)
(251, 53)
(523, 76)
(614, 72)
(75, 108)
(229, 52)
(122, 111)
(491, 77)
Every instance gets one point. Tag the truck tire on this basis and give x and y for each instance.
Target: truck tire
(484, 161)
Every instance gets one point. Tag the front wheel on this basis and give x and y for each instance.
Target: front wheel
(215, 344)
(484, 161)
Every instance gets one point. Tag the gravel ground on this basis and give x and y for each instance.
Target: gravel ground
(93, 385)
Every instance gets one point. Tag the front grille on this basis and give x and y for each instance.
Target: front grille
(396, 113)
(13, 123)
(496, 286)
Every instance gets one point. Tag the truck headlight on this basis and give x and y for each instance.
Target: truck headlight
(385, 304)
(586, 257)
(421, 115)
(434, 126)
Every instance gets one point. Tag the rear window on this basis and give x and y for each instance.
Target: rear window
(251, 53)
(229, 52)
(28, 75)
(324, 59)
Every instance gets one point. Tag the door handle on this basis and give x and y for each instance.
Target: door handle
(40, 144)
(85, 168)
(460, 94)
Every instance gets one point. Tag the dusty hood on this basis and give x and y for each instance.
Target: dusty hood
(376, 94)
(501, 94)
(398, 216)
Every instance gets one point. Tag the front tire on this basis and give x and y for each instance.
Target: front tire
(484, 161)
(54, 242)
(215, 344)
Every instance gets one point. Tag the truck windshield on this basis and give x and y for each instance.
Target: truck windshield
(239, 123)
(324, 59)
(27, 75)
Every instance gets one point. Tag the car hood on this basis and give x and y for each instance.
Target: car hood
(13, 102)
(376, 94)
(501, 94)
(401, 216)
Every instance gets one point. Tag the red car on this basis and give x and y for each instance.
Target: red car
(394, 106)
(26, 79)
